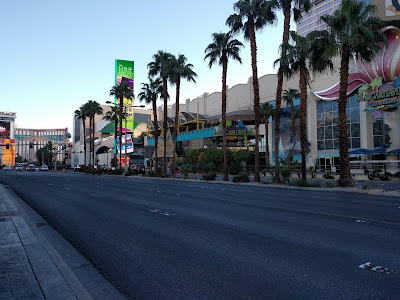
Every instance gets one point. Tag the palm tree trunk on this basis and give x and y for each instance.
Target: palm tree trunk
(93, 124)
(286, 28)
(91, 140)
(293, 133)
(256, 90)
(165, 96)
(303, 112)
(84, 142)
(121, 104)
(266, 142)
(115, 136)
(345, 176)
(155, 136)
(178, 83)
(224, 143)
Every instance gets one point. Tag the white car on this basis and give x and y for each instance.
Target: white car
(7, 168)
(19, 168)
(44, 168)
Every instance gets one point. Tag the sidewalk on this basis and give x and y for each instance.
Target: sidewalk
(30, 267)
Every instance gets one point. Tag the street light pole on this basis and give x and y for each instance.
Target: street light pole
(126, 167)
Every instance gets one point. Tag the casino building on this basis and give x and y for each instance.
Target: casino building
(373, 120)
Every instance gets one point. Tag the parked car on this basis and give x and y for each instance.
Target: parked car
(44, 168)
(19, 168)
(37, 169)
(7, 168)
(30, 167)
(78, 168)
(140, 168)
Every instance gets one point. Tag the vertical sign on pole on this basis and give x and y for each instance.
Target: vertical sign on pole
(124, 73)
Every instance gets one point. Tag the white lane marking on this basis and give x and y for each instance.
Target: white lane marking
(178, 194)
(379, 269)
(362, 221)
(159, 211)
(365, 265)
(95, 196)
(67, 188)
(49, 184)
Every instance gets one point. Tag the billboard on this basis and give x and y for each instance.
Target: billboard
(124, 72)
(4, 130)
(392, 8)
(8, 155)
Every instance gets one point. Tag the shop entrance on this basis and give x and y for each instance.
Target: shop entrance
(328, 164)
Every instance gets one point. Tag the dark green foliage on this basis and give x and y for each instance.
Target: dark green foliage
(242, 177)
(119, 172)
(285, 173)
(331, 185)
(150, 173)
(209, 176)
(328, 176)
(235, 169)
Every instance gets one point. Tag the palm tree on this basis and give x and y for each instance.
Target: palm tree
(286, 7)
(303, 53)
(161, 66)
(93, 108)
(266, 110)
(149, 93)
(112, 116)
(352, 29)
(121, 91)
(219, 51)
(288, 96)
(81, 113)
(180, 69)
(252, 15)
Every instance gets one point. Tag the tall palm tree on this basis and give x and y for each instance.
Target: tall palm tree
(121, 91)
(93, 108)
(304, 53)
(266, 110)
(180, 69)
(252, 15)
(112, 116)
(288, 96)
(149, 93)
(352, 29)
(81, 114)
(161, 66)
(299, 6)
(219, 51)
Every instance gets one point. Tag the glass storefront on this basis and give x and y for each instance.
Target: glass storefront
(327, 125)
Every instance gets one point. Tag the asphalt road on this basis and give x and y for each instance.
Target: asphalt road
(164, 239)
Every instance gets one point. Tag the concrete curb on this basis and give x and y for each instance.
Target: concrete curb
(36, 237)
(31, 239)
(354, 190)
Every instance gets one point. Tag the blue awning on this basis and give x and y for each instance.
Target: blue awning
(359, 151)
(395, 151)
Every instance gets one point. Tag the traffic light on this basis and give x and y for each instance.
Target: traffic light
(31, 145)
(7, 146)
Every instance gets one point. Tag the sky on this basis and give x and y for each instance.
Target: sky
(57, 55)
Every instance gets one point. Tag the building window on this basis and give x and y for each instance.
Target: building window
(327, 125)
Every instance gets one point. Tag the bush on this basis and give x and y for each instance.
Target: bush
(118, 172)
(397, 174)
(242, 177)
(301, 182)
(131, 172)
(328, 176)
(331, 184)
(150, 173)
(185, 169)
(235, 169)
(209, 176)
(285, 173)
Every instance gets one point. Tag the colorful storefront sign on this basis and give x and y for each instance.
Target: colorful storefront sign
(124, 73)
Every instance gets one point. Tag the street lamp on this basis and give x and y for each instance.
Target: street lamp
(125, 107)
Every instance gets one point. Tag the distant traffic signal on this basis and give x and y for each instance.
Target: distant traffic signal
(7, 146)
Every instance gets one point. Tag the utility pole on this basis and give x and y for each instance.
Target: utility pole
(126, 144)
